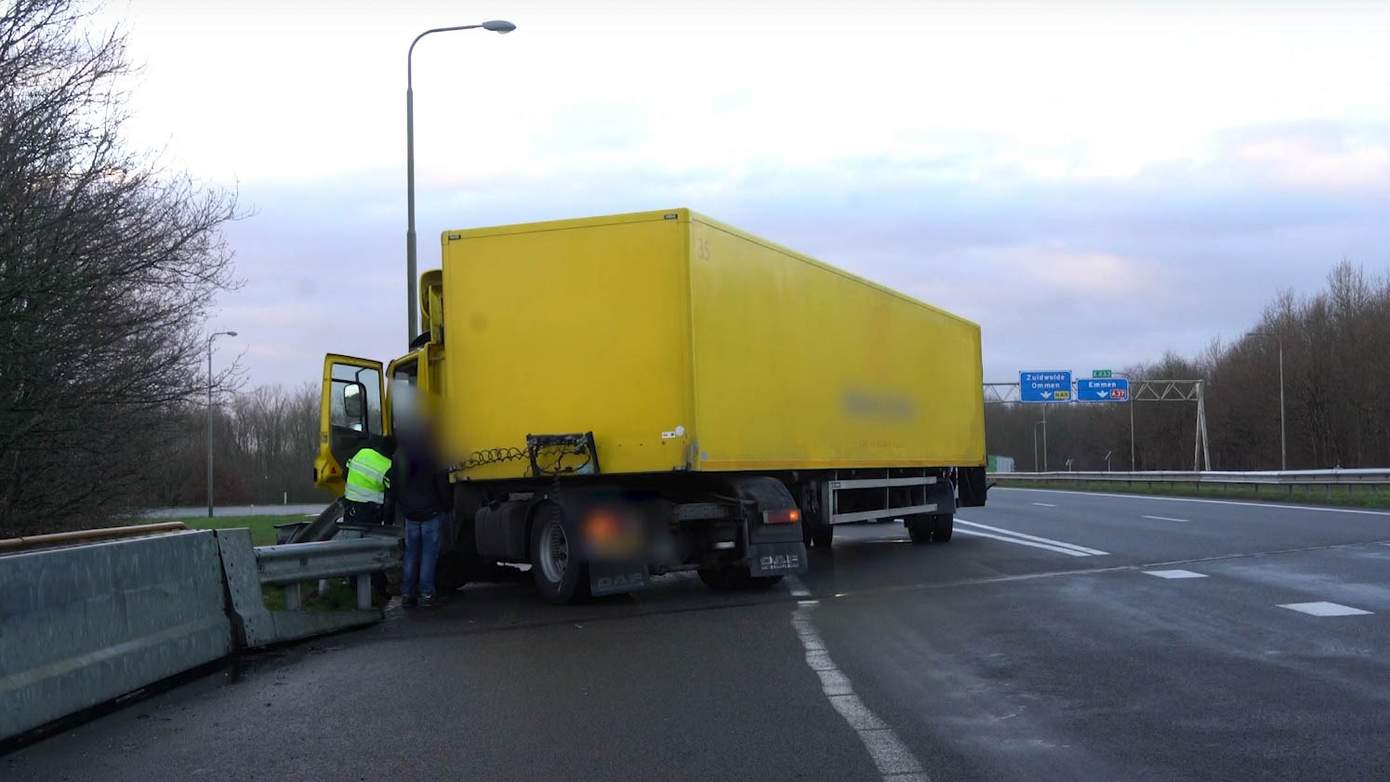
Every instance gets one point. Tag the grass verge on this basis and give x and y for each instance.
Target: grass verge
(1348, 495)
(262, 527)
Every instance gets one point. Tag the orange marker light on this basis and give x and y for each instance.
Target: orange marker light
(788, 516)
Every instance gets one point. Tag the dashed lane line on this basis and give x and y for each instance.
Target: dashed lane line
(1276, 506)
(1322, 608)
(1174, 574)
(1165, 518)
(1044, 505)
(1080, 550)
(1092, 571)
(1017, 542)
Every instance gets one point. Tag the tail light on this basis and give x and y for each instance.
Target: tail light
(788, 516)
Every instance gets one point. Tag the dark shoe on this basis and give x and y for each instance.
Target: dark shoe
(408, 602)
(430, 601)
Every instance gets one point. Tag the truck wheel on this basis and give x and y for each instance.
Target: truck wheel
(919, 528)
(822, 534)
(942, 525)
(560, 575)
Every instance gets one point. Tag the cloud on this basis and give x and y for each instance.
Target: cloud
(1306, 161)
(1091, 188)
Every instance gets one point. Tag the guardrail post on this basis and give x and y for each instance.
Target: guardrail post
(364, 591)
(294, 600)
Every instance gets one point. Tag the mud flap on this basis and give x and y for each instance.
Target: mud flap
(611, 578)
(776, 559)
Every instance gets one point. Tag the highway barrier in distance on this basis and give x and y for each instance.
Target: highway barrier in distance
(1378, 476)
(84, 624)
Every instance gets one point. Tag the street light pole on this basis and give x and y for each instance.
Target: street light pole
(211, 337)
(1036, 424)
(1283, 430)
(411, 321)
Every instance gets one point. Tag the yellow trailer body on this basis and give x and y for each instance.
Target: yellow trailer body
(685, 344)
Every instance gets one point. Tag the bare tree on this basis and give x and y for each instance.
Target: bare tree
(1337, 393)
(108, 265)
(264, 442)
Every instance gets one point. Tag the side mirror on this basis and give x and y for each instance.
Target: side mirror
(354, 402)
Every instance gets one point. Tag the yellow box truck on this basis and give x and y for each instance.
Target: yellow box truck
(638, 394)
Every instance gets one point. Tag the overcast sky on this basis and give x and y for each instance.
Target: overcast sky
(1093, 183)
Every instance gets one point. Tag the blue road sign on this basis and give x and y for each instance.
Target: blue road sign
(1044, 386)
(1115, 389)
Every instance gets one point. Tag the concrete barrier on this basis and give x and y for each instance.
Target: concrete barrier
(83, 625)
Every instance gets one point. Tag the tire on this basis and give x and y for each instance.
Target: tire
(822, 535)
(942, 525)
(560, 575)
(919, 529)
(725, 579)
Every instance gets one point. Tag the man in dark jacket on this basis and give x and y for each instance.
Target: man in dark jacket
(420, 486)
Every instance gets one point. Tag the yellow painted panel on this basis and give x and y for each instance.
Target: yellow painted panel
(569, 326)
(798, 364)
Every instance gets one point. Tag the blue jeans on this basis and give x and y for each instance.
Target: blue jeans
(421, 555)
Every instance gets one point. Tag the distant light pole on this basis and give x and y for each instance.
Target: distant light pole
(495, 26)
(1036, 424)
(211, 337)
(1283, 432)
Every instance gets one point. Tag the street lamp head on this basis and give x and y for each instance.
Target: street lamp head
(498, 26)
(231, 333)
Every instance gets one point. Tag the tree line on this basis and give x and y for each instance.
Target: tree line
(263, 447)
(1336, 344)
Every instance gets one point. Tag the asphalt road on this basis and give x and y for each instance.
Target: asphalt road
(1124, 638)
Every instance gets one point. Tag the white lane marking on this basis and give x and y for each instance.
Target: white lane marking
(1174, 574)
(1017, 542)
(895, 762)
(1045, 504)
(1165, 518)
(1095, 552)
(797, 588)
(1322, 608)
(1319, 508)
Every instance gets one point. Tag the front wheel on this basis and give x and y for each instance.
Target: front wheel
(560, 574)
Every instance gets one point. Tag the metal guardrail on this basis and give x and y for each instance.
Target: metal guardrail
(292, 564)
(247, 569)
(1370, 477)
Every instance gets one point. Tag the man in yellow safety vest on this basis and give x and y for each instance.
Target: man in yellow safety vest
(368, 479)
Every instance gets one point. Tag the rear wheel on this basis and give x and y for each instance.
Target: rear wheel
(560, 575)
(822, 535)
